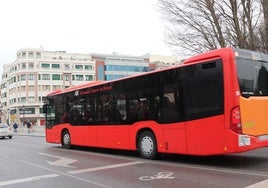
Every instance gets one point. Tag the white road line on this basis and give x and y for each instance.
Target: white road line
(261, 184)
(35, 178)
(104, 167)
(224, 170)
(3, 155)
(26, 144)
(68, 175)
(61, 161)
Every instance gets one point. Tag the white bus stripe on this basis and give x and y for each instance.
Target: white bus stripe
(104, 167)
(35, 178)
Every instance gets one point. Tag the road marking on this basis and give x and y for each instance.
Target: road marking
(62, 161)
(35, 178)
(261, 184)
(160, 175)
(68, 175)
(3, 155)
(224, 170)
(104, 167)
(25, 144)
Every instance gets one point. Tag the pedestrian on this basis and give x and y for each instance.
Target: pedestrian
(15, 126)
(28, 126)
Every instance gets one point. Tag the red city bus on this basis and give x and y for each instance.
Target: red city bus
(214, 103)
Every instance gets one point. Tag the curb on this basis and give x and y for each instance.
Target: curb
(28, 134)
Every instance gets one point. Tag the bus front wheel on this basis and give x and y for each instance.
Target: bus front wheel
(66, 139)
(147, 145)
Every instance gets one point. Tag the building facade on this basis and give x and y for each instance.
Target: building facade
(114, 66)
(36, 72)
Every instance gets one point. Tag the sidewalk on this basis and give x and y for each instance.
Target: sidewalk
(35, 131)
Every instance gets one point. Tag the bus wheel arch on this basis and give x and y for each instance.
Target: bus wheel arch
(66, 139)
(147, 144)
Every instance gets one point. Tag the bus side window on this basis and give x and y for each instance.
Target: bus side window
(133, 110)
(88, 114)
(143, 109)
(121, 108)
(170, 113)
(154, 108)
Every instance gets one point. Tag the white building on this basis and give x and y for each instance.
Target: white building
(35, 73)
(162, 61)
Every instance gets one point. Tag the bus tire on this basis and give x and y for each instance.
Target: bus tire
(66, 139)
(147, 145)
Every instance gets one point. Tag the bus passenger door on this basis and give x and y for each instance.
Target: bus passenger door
(84, 135)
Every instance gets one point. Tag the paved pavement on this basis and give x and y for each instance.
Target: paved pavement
(34, 131)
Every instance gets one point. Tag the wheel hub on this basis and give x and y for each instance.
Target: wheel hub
(66, 139)
(147, 145)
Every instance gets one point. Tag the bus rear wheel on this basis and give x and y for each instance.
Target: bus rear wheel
(66, 139)
(147, 145)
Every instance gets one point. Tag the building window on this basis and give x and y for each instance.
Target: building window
(89, 77)
(54, 87)
(31, 55)
(79, 67)
(45, 76)
(88, 67)
(45, 65)
(126, 68)
(31, 77)
(66, 77)
(46, 88)
(55, 76)
(55, 66)
(31, 88)
(31, 99)
(100, 73)
(23, 54)
(23, 99)
(112, 77)
(23, 77)
(38, 55)
(41, 99)
(23, 65)
(66, 67)
(12, 80)
(31, 65)
(79, 77)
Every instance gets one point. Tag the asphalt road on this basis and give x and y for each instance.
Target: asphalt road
(27, 161)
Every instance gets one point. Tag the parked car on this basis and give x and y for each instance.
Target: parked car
(5, 131)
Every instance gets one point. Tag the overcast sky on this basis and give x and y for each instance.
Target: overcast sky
(131, 27)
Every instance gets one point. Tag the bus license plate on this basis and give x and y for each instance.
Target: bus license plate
(244, 140)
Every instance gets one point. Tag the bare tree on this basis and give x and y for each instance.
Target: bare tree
(263, 34)
(200, 25)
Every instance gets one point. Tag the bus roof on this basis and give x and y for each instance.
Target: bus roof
(211, 54)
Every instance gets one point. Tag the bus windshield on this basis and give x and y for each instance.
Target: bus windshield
(252, 68)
